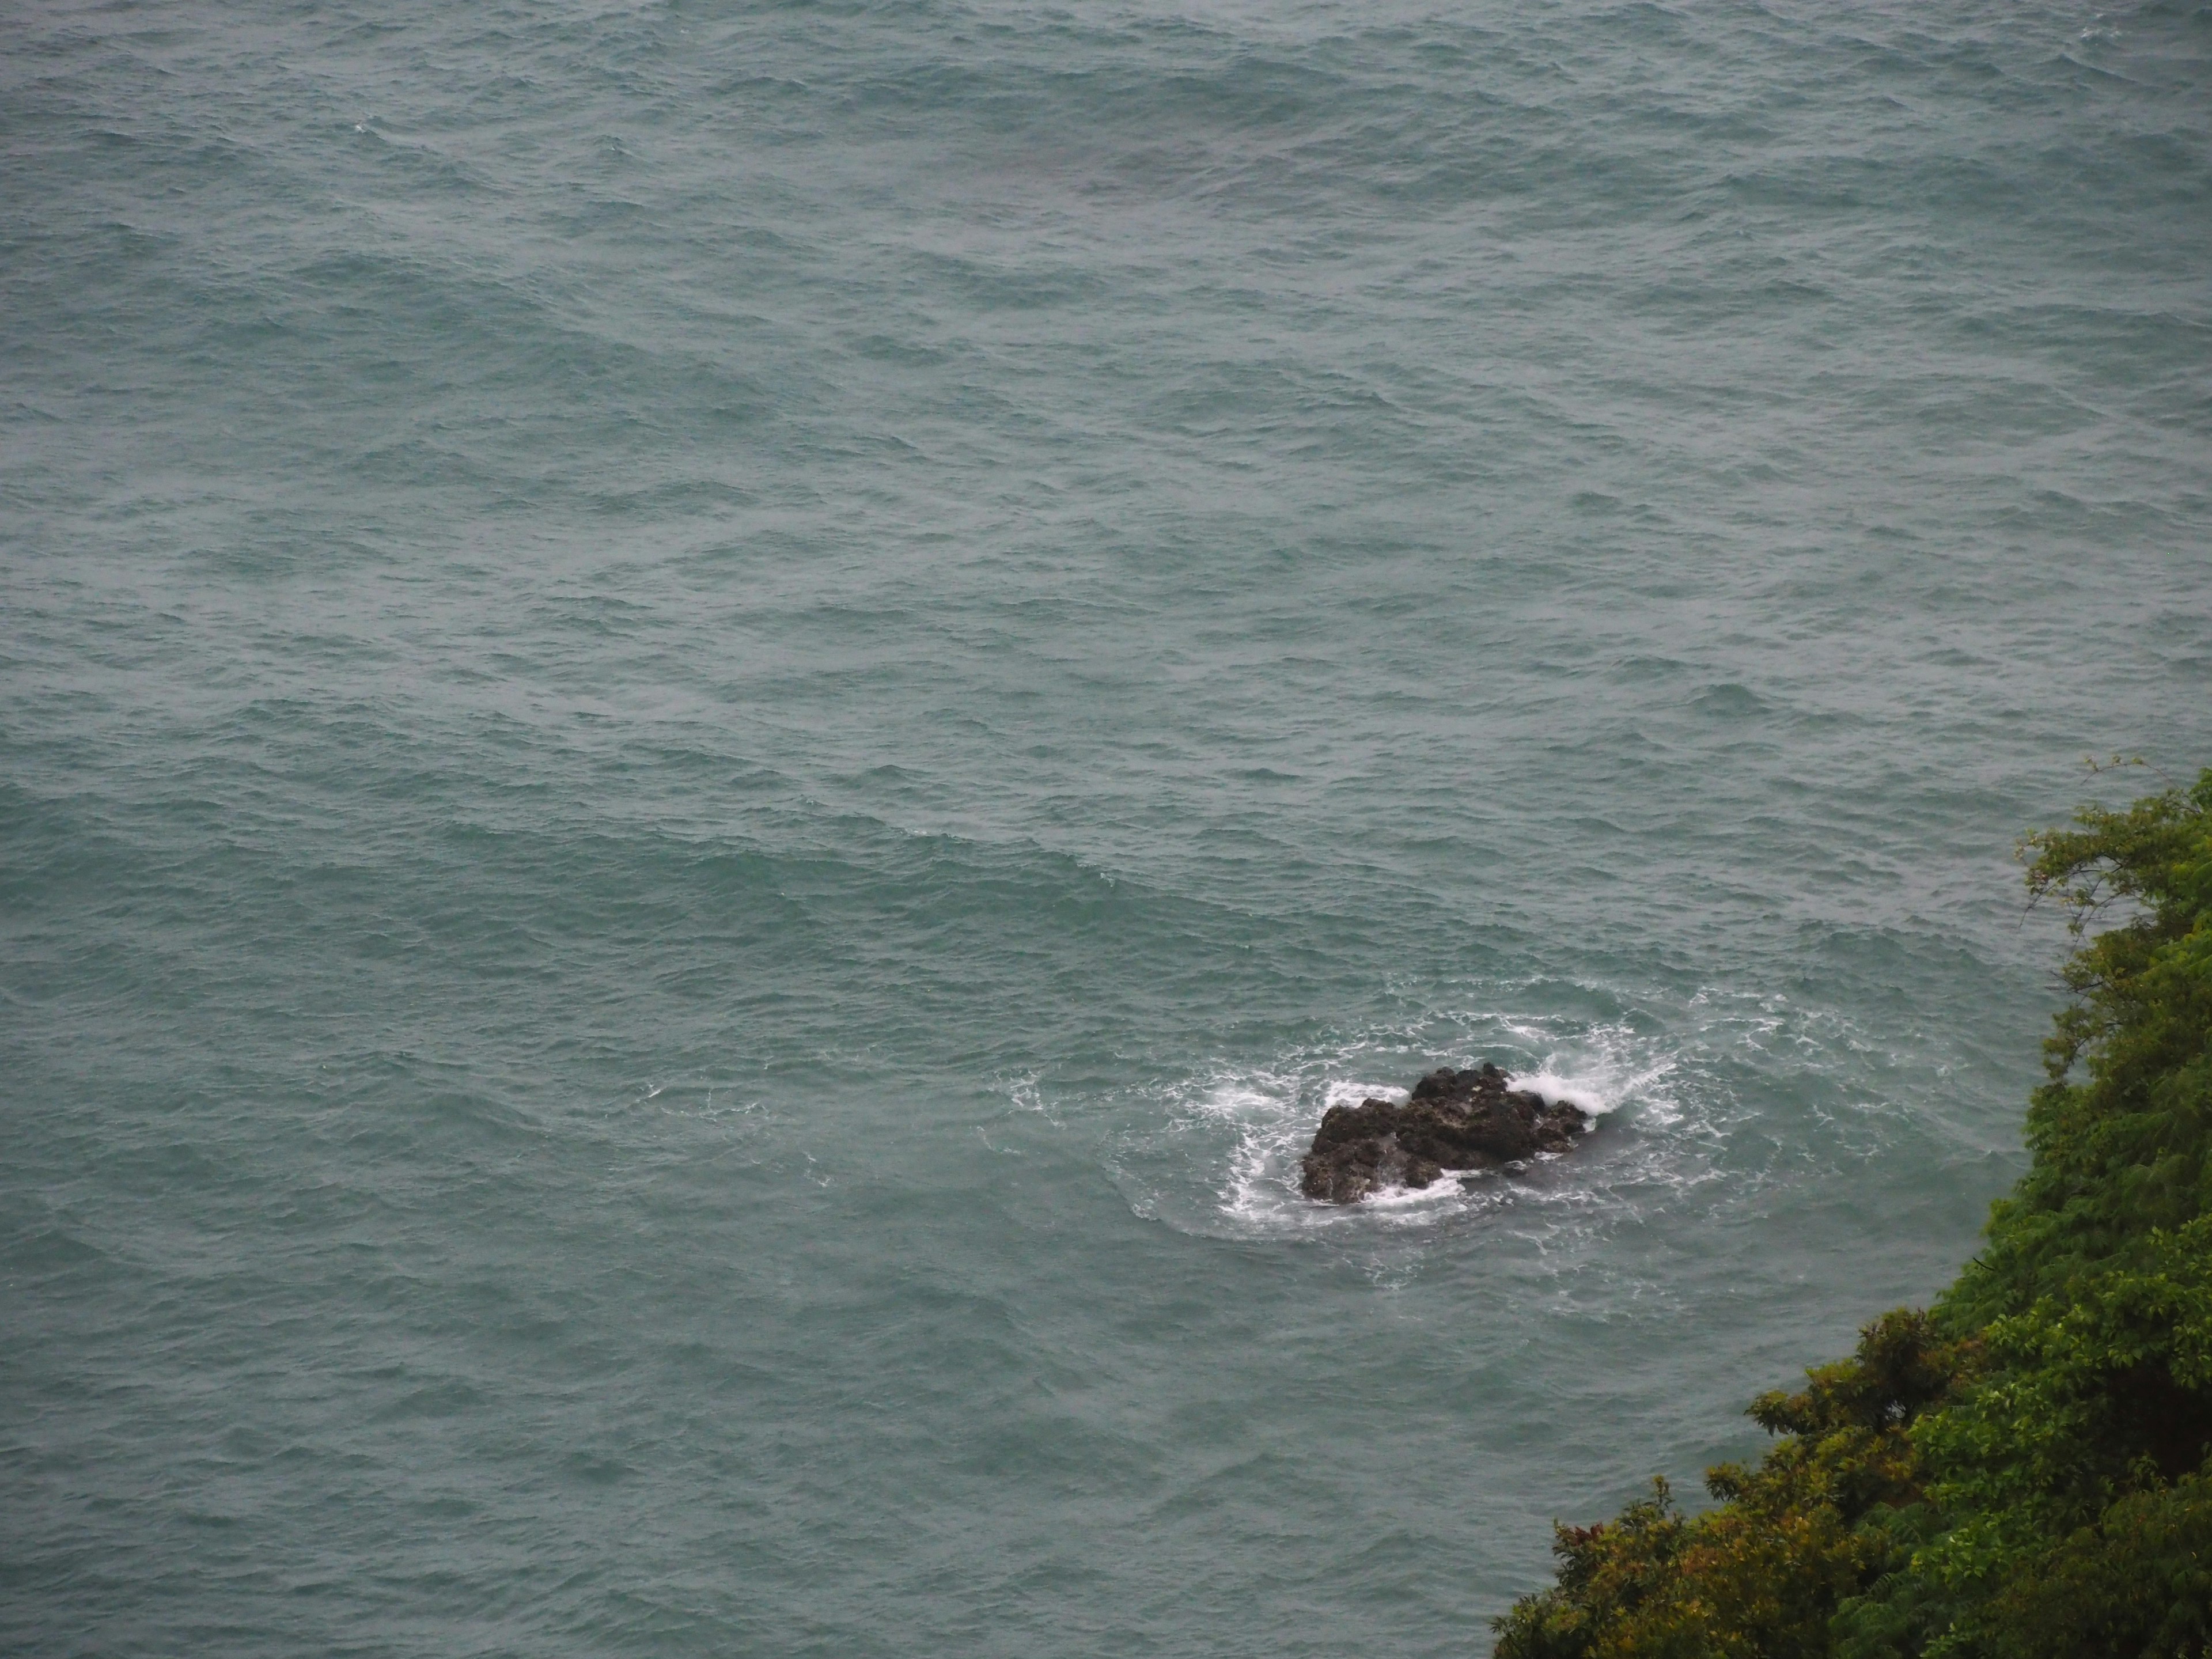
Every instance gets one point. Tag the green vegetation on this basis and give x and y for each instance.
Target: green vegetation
(2022, 1470)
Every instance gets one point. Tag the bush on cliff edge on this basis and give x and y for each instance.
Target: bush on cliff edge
(2022, 1470)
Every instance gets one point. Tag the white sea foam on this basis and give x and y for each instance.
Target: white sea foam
(1603, 1082)
(1672, 1085)
(1224, 1155)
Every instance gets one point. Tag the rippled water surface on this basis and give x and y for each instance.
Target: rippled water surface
(717, 724)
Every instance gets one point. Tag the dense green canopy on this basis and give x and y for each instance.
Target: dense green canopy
(2021, 1470)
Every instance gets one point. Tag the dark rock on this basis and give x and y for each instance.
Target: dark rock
(1452, 1121)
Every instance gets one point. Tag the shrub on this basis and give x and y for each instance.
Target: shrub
(2022, 1471)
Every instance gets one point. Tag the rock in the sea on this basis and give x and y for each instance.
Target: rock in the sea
(1452, 1121)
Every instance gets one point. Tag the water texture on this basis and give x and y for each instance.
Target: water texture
(717, 724)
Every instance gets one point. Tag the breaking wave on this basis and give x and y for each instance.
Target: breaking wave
(1220, 1153)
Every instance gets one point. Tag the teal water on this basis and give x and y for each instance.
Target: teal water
(717, 723)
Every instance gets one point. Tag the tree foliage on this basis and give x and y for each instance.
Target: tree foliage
(2026, 1469)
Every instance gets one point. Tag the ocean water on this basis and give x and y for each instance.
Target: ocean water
(718, 723)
